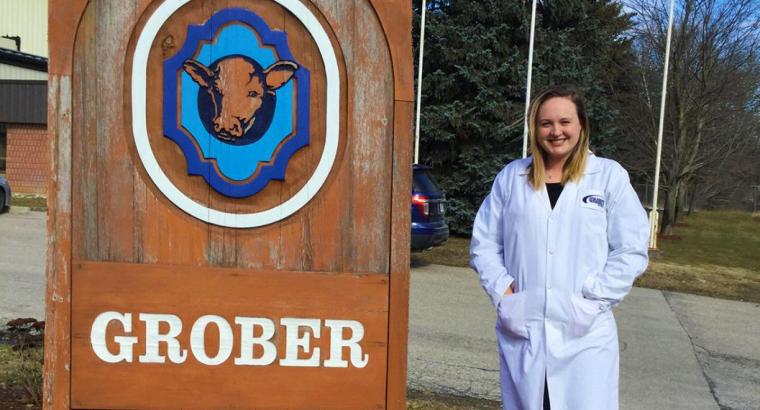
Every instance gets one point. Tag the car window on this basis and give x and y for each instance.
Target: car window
(424, 182)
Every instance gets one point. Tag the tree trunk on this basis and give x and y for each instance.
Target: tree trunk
(692, 199)
(671, 206)
(683, 195)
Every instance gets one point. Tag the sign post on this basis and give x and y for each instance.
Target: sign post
(229, 206)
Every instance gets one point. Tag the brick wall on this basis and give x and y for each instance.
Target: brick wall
(27, 158)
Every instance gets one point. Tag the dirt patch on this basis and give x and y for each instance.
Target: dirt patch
(21, 362)
(14, 398)
(417, 400)
(456, 252)
(707, 280)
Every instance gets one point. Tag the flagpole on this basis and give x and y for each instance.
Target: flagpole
(419, 86)
(530, 73)
(654, 216)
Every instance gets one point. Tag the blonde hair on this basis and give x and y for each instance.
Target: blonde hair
(576, 162)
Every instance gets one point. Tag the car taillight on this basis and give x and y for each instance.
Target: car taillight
(422, 204)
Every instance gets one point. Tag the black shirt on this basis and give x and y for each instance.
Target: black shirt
(553, 189)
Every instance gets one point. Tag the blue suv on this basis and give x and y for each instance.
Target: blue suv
(5, 194)
(429, 226)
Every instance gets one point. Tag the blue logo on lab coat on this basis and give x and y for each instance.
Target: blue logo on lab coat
(594, 199)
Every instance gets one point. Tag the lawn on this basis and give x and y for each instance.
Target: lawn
(20, 377)
(36, 202)
(722, 238)
(711, 253)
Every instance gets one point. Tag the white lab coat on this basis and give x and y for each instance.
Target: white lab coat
(570, 266)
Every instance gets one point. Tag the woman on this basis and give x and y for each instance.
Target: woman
(557, 243)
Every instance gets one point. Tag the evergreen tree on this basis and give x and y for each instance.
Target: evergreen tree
(474, 75)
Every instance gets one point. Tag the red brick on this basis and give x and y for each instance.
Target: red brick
(27, 161)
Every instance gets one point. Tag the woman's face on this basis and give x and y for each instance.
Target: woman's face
(559, 128)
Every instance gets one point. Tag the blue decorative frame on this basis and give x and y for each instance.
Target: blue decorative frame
(197, 164)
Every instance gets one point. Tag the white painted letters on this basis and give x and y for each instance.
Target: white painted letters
(153, 338)
(198, 336)
(337, 343)
(247, 341)
(294, 343)
(98, 337)
(297, 335)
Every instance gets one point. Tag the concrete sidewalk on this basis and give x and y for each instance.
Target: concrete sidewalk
(677, 351)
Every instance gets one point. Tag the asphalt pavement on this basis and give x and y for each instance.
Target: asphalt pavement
(678, 351)
(22, 264)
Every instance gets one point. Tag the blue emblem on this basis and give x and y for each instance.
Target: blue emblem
(236, 102)
(594, 199)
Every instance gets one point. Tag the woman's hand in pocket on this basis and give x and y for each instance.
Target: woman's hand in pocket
(510, 289)
(513, 314)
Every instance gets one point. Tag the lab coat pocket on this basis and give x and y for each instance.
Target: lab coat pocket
(585, 313)
(512, 316)
(592, 213)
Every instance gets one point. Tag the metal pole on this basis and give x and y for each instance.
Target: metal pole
(530, 73)
(653, 214)
(419, 86)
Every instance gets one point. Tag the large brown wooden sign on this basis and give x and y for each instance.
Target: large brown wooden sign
(229, 207)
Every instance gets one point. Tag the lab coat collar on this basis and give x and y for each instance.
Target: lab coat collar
(593, 165)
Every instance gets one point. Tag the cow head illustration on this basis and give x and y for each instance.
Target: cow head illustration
(239, 94)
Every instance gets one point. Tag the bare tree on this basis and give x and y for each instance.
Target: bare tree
(714, 78)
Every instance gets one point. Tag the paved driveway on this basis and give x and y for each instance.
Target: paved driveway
(22, 264)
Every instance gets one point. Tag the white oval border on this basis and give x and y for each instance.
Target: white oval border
(140, 128)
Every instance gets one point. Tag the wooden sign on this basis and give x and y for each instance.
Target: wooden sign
(229, 206)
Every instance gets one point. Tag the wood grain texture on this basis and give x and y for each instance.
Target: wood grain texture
(400, 254)
(396, 19)
(362, 171)
(372, 142)
(400, 41)
(57, 377)
(63, 20)
(165, 289)
(106, 208)
(395, 16)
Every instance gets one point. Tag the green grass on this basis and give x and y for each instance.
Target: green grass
(715, 253)
(724, 238)
(711, 253)
(15, 365)
(21, 370)
(31, 201)
(8, 366)
(456, 252)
